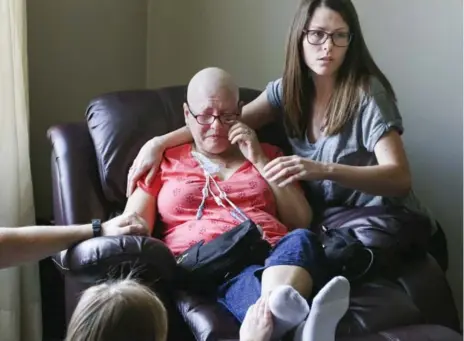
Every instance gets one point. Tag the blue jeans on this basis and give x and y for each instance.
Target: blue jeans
(300, 247)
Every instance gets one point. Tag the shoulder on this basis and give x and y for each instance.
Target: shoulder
(271, 151)
(375, 87)
(274, 92)
(378, 101)
(379, 113)
(177, 152)
(374, 91)
(178, 157)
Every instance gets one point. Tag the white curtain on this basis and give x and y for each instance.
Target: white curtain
(20, 308)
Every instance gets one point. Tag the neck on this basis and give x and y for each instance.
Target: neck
(228, 155)
(324, 86)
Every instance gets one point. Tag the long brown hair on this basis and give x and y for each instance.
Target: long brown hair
(123, 310)
(353, 76)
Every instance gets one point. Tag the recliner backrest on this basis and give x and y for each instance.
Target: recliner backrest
(121, 122)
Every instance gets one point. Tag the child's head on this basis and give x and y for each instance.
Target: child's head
(122, 310)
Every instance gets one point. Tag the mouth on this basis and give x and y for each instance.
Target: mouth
(326, 59)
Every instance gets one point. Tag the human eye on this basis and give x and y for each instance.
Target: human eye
(229, 118)
(342, 35)
(205, 118)
(317, 34)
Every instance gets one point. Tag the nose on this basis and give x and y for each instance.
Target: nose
(328, 45)
(216, 124)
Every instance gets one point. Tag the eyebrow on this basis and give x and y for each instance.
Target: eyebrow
(323, 29)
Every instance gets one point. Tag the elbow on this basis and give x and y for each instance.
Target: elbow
(301, 218)
(306, 217)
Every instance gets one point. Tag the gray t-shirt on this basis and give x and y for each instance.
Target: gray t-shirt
(354, 145)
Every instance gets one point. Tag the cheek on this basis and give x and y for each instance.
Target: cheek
(340, 56)
(202, 131)
(310, 53)
(197, 132)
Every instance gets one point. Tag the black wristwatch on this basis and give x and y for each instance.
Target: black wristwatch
(96, 227)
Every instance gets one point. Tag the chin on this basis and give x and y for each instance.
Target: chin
(217, 148)
(323, 72)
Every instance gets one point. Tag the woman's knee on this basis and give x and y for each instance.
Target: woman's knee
(301, 248)
(304, 234)
(306, 238)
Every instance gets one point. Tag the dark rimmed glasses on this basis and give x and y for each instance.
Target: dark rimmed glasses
(207, 119)
(319, 37)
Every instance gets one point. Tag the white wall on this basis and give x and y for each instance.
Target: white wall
(418, 44)
(77, 50)
(244, 37)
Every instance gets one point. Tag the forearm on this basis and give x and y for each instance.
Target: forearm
(25, 244)
(258, 113)
(175, 138)
(144, 205)
(292, 207)
(383, 180)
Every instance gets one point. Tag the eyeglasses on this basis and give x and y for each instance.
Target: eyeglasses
(319, 37)
(206, 119)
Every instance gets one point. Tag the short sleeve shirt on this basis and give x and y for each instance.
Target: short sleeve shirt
(178, 188)
(354, 146)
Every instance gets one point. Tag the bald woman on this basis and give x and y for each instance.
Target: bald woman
(205, 188)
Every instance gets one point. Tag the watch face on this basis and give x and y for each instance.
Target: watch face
(96, 227)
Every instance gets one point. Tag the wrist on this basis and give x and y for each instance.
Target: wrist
(327, 171)
(159, 141)
(84, 232)
(260, 161)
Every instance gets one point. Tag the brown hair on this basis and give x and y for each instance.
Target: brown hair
(122, 310)
(352, 78)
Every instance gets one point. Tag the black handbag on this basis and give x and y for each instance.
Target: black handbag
(205, 266)
(361, 242)
(346, 254)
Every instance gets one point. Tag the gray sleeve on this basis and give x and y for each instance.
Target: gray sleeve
(380, 114)
(274, 93)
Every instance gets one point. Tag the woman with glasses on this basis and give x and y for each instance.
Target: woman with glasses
(340, 114)
(207, 187)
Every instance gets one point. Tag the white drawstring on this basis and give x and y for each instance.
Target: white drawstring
(218, 199)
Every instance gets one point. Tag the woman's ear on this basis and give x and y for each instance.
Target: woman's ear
(240, 107)
(186, 113)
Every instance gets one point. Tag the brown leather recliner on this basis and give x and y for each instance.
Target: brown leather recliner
(90, 161)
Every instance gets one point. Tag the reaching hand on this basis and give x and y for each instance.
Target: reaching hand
(125, 224)
(258, 324)
(147, 160)
(247, 141)
(286, 169)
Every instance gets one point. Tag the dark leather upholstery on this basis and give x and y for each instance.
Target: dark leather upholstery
(90, 161)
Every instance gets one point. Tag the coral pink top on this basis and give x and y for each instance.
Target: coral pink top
(178, 188)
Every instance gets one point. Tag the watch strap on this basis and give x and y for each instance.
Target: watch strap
(96, 227)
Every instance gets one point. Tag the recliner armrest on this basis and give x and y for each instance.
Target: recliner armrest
(97, 259)
(426, 285)
(207, 319)
(77, 192)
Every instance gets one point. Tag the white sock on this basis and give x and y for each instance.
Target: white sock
(288, 309)
(329, 306)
